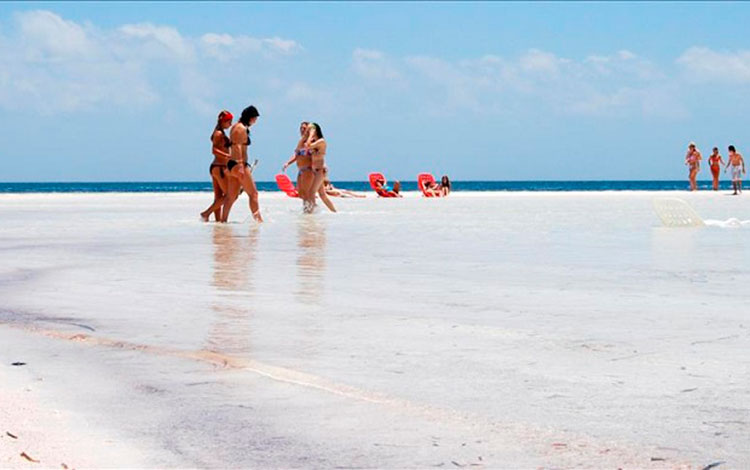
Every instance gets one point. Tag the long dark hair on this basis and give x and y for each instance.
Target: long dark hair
(445, 182)
(318, 130)
(247, 114)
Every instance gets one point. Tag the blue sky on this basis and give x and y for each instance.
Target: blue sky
(507, 91)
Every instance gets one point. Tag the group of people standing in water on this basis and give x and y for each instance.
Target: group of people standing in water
(231, 173)
(734, 160)
(309, 154)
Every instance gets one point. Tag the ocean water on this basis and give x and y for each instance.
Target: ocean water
(501, 329)
(363, 186)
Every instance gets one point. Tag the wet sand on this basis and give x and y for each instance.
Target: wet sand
(497, 330)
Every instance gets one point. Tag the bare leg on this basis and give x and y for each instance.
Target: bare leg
(220, 189)
(233, 190)
(326, 200)
(304, 184)
(300, 187)
(222, 182)
(347, 193)
(252, 193)
(317, 187)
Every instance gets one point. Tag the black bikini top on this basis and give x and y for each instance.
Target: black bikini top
(247, 144)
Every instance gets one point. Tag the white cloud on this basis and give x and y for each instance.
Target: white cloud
(58, 65)
(49, 37)
(50, 64)
(618, 84)
(622, 66)
(158, 41)
(373, 65)
(226, 47)
(452, 86)
(704, 64)
(286, 46)
(545, 63)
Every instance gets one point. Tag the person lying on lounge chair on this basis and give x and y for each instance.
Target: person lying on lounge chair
(395, 192)
(336, 192)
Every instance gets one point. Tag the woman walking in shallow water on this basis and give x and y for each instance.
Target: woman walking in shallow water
(220, 148)
(715, 161)
(303, 157)
(693, 161)
(318, 147)
(240, 172)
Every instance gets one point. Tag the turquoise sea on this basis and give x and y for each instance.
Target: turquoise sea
(179, 186)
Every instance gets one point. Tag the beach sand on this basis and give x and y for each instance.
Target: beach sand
(495, 330)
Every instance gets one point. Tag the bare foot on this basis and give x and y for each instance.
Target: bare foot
(308, 207)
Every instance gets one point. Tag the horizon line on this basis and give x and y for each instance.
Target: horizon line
(362, 181)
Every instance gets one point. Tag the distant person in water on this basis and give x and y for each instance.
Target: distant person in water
(738, 169)
(336, 192)
(715, 161)
(693, 161)
(318, 148)
(303, 157)
(218, 170)
(240, 171)
(395, 192)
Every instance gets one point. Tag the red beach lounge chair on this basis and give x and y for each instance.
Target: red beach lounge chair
(286, 185)
(423, 178)
(380, 191)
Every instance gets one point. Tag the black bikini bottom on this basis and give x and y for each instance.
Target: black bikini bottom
(232, 163)
(220, 167)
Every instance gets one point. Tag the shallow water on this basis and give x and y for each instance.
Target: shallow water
(362, 185)
(410, 332)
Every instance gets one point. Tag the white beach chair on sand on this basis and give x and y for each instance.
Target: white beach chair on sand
(675, 212)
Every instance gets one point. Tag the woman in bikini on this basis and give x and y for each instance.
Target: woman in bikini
(333, 191)
(318, 146)
(432, 188)
(220, 148)
(385, 191)
(693, 161)
(239, 171)
(303, 157)
(445, 185)
(715, 161)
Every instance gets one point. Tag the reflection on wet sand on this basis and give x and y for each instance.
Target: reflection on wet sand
(311, 262)
(234, 257)
(234, 260)
(669, 246)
